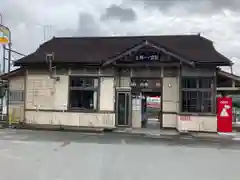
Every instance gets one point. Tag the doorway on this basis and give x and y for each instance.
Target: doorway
(151, 110)
(123, 108)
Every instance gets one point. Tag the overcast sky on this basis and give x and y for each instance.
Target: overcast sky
(218, 20)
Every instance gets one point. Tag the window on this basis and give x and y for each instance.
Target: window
(197, 95)
(16, 96)
(83, 93)
(189, 83)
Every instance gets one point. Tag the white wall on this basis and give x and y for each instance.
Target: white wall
(107, 94)
(44, 93)
(103, 120)
(197, 123)
(169, 120)
(136, 112)
(170, 101)
(16, 83)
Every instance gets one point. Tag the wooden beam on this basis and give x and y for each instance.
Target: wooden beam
(148, 44)
(148, 65)
(172, 54)
(124, 54)
(228, 89)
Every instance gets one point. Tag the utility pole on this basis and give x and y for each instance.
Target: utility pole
(4, 58)
(3, 68)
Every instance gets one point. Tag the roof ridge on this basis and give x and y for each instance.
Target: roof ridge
(132, 36)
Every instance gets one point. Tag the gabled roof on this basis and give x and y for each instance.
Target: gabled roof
(97, 50)
(228, 75)
(147, 44)
(13, 73)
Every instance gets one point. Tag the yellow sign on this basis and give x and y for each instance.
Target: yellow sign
(4, 35)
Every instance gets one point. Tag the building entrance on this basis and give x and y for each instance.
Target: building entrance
(146, 103)
(123, 108)
(151, 110)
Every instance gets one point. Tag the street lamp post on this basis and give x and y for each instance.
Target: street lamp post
(9, 68)
(9, 46)
(9, 63)
(1, 22)
(1, 18)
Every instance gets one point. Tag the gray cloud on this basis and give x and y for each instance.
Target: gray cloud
(65, 32)
(14, 13)
(158, 17)
(203, 7)
(88, 26)
(231, 5)
(119, 12)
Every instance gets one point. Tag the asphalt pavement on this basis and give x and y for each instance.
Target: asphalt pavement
(111, 138)
(53, 155)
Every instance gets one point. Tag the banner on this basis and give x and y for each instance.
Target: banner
(224, 114)
(4, 35)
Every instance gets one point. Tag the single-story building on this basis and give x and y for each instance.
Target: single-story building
(105, 81)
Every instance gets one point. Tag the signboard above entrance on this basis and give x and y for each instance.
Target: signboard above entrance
(141, 83)
(148, 57)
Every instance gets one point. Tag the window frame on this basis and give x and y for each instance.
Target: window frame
(200, 90)
(95, 88)
(16, 96)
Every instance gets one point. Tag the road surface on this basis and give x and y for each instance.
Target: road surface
(43, 155)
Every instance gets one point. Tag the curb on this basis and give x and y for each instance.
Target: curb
(177, 136)
(181, 137)
(59, 129)
(155, 136)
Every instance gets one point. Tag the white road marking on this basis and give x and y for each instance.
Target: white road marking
(23, 142)
(22, 137)
(227, 134)
(3, 150)
(8, 136)
(13, 157)
(236, 139)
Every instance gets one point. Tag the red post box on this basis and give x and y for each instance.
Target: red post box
(224, 114)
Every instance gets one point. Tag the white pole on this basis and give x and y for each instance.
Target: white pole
(1, 18)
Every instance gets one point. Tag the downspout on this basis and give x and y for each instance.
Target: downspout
(231, 70)
(49, 59)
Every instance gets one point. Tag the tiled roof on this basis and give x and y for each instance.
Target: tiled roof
(96, 50)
